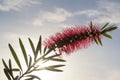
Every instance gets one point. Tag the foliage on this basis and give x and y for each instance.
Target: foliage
(68, 41)
(31, 63)
(74, 38)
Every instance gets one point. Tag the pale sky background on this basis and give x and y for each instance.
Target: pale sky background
(32, 18)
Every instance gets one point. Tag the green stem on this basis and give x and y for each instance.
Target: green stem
(28, 71)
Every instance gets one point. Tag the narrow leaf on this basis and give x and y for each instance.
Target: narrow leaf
(104, 26)
(7, 74)
(39, 46)
(111, 28)
(32, 46)
(15, 69)
(45, 49)
(52, 69)
(30, 62)
(53, 56)
(56, 59)
(10, 68)
(55, 66)
(91, 25)
(99, 40)
(23, 51)
(5, 65)
(32, 77)
(96, 41)
(10, 65)
(107, 35)
(15, 56)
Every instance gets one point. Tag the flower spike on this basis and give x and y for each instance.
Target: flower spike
(78, 37)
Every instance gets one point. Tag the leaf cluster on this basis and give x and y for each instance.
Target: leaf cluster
(104, 31)
(31, 62)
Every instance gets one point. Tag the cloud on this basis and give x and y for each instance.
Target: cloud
(37, 22)
(110, 12)
(105, 11)
(57, 16)
(109, 6)
(7, 5)
(89, 13)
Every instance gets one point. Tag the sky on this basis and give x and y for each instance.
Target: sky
(32, 18)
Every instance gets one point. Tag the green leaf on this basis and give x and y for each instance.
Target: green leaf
(96, 41)
(10, 65)
(5, 65)
(105, 26)
(53, 56)
(23, 51)
(10, 68)
(32, 77)
(15, 69)
(8, 71)
(52, 69)
(15, 56)
(111, 28)
(107, 35)
(45, 49)
(91, 25)
(56, 66)
(7, 74)
(99, 40)
(30, 62)
(56, 59)
(32, 46)
(39, 46)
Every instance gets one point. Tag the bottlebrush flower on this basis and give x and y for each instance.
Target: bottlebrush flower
(74, 38)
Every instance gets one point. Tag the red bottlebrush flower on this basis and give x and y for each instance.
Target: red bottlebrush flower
(75, 38)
